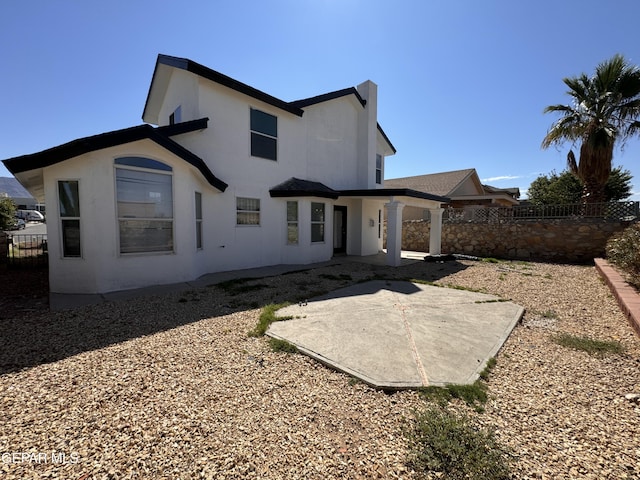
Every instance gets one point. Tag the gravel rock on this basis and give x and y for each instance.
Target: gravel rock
(173, 387)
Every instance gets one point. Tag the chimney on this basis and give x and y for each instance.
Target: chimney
(367, 135)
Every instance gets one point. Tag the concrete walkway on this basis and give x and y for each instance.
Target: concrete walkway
(64, 301)
(393, 334)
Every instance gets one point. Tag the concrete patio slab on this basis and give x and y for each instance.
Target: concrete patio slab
(395, 334)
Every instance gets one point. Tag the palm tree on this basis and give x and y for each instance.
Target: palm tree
(605, 109)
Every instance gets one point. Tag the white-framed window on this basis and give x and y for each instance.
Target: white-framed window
(69, 203)
(379, 223)
(144, 193)
(292, 223)
(198, 200)
(264, 135)
(317, 222)
(247, 211)
(378, 169)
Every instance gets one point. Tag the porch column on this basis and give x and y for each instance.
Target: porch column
(435, 234)
(394, 233)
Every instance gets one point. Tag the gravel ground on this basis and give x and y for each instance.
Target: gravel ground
(172, 386)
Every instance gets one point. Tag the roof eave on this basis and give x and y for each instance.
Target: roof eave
(394, 192)
(158, 82)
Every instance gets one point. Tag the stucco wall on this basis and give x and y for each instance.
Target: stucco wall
(551, 240)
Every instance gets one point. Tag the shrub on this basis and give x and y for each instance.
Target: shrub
(445, 443)
(623, 250)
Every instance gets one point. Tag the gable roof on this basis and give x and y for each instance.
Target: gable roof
(443, 184)
(160, 82)
(159, 135)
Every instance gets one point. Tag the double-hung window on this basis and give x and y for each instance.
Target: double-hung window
(292, 223)
(378, 169)
(69, 202)
(247, 211)
(198, 220)
(144, 192)
(317, 222)
(264, 135)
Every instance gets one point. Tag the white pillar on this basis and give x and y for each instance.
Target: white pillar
(394, 233)
(435, 234)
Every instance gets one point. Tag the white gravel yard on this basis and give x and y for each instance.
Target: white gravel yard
(173, 387)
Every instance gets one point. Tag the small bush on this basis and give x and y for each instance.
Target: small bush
(589, 345)
(623, 250)
(445, 443)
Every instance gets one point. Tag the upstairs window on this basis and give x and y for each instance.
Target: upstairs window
(378, 169)
(176, 116)
(264, 135)
(144, 191)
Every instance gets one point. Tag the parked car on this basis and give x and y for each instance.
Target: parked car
(18, 224)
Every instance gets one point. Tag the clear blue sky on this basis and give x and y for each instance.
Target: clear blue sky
(461, 83)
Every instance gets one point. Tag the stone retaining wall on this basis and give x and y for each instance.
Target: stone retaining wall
(549, 240)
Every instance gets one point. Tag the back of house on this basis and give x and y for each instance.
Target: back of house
(221, 177)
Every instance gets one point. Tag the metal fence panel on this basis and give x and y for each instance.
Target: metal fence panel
(27, 250)
(620, 211)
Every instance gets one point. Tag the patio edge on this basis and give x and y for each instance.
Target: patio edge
(627, 297)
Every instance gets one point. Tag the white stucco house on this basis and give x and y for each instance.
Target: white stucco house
(221, 176)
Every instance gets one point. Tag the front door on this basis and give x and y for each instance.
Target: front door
(339, 229)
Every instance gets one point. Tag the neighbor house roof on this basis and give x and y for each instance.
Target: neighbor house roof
(444, 183)
(159, 135)
(513, 191)
(161, 76)
(457, 185)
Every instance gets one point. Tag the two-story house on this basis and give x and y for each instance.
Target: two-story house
(229, 178)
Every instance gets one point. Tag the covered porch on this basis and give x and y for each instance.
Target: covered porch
(395, 200)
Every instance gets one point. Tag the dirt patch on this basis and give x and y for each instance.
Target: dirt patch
(23, 291)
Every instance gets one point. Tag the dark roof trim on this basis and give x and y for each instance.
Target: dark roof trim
(190, 158)
(217, 77)
(384, 135)
(84, 145)
(393, 192)
(305, 102)
(295, 187)
(183, 127)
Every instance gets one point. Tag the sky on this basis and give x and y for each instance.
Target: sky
(461, 83)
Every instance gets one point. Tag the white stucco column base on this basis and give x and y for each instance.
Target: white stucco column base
(435, 234)
(394, 233)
